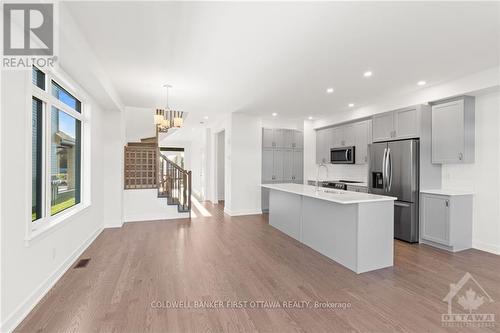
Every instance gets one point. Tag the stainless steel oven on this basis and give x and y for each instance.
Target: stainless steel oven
(342, 155)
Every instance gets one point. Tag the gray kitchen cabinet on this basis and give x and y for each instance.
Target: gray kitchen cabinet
(288, 171)
(336, 138)
(278, 160)
(361, 140)
(406, 123)
(268, 138)
(349, 135)
(322, 146)
(446, 219)
(288, 138)
(298, 139)
(267, 165)
(453, 131)
(298, 166)
(383, 126)
(396, 125)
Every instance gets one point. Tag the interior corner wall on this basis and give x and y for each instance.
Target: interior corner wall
(29, 269)
(246, 168)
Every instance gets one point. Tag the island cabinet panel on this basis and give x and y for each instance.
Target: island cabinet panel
(332, 235)
(287, 213)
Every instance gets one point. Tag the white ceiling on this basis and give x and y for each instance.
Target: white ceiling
(280, 57)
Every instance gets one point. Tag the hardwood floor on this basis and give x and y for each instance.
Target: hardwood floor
(136, 270)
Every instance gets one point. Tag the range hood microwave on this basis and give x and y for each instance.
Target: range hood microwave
(342, 155)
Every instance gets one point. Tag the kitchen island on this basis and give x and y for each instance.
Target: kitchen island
(352, 228)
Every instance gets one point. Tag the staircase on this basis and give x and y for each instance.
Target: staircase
(146, 168)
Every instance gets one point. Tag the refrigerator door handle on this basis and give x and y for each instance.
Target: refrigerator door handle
(389, 166)
(383, 170)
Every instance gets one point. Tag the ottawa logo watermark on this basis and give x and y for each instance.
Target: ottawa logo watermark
(464, 300)
(29, 36)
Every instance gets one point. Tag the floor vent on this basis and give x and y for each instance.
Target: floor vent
(82, 263)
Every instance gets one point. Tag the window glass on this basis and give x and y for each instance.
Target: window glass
(38, 78)
(36, 159)
(65, 97)
(65, 161)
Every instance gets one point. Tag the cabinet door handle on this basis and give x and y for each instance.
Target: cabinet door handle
(447, 203)
(460, 156)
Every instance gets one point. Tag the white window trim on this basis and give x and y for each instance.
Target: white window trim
(47, 223)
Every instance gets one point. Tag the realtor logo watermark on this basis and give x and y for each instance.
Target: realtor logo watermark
(28, 35)
(465, 299)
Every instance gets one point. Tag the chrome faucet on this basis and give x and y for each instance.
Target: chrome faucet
(317, 175)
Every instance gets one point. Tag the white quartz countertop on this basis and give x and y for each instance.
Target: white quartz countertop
(444, 191)
(337, 196)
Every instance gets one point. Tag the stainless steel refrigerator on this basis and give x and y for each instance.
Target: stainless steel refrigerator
(394, 171)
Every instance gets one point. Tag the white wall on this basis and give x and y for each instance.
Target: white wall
(482, 176)
(30, 268)
(139, 124)
(246, 164)
(113, 143)
(144, 205)
(220, 166)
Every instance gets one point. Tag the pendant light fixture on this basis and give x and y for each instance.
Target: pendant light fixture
(167, 118)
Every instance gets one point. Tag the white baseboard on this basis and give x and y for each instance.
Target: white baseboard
(29, 303)
(242, 213)
(492, 248)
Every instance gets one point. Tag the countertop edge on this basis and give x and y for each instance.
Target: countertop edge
(345, 202)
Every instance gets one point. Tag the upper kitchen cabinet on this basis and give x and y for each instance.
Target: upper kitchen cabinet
(323, 139)
(282, 138)
(268, 138)
(298, 139)
(396, 125)
(453, 131)
(383, 126)
(353, 134)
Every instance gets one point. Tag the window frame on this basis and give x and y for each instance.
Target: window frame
(48, 221)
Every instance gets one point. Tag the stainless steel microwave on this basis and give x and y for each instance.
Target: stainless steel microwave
(342, 155)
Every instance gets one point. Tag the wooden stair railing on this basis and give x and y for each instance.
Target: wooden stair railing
(174, 183)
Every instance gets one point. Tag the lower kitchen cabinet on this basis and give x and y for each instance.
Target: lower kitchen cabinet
(446, 219)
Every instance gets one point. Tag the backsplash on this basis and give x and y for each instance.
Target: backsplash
(340, 171)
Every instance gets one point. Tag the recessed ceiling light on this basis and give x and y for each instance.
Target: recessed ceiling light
(310, 118)
(274, 114)
(367, 74)
(206, 117)
(351, 105)
(421, 83)
(329, 90)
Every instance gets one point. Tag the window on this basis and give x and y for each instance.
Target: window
(65, 97)
(38, 78)
(57, 126)
(65, 161)
(36, 157)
